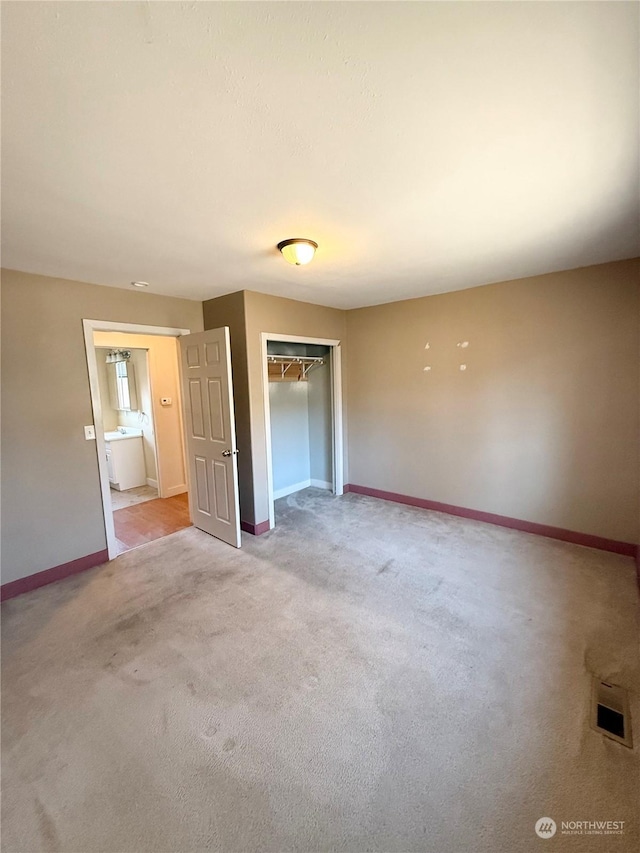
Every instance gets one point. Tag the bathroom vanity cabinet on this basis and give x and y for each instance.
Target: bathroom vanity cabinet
(125, 460)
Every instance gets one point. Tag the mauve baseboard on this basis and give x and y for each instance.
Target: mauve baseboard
(74, 567)
(256, 529)
(626, 548)
(57, 573)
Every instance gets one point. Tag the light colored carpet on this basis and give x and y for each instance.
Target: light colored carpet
(131, 497)
(366, 677)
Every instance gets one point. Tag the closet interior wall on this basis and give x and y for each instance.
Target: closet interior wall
(301, 426)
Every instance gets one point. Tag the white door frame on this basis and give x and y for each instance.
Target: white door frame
(336, 409)
(89, 327)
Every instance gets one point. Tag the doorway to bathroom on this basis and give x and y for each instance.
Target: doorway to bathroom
(139, 434)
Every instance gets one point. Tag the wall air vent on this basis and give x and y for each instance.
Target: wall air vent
(610, 711)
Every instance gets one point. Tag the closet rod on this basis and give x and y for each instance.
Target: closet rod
(306, 362)
(295, 359)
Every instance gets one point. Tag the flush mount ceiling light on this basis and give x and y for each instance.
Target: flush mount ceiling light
(298, 250)
(139, 284)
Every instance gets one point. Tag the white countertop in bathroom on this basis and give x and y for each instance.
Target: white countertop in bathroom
(122, 433)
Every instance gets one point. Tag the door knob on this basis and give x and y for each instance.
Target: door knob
(226, 453)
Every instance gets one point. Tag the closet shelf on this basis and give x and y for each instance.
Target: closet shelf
(291, 368)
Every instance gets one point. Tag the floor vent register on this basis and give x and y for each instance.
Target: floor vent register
(610, 711)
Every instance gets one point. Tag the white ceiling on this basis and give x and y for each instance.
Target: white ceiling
(425, 146)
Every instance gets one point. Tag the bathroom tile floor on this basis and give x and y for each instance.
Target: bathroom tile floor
(143, 522)
(132, 496)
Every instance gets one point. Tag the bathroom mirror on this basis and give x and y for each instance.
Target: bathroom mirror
(122, 386)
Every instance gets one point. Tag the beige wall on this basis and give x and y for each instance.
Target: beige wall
(52, 507)
(167, 420)
(286, 317)
(229, 311)
(542, 426)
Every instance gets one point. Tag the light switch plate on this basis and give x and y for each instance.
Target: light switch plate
(90, 432)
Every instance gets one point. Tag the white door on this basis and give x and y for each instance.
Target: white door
(210, 433)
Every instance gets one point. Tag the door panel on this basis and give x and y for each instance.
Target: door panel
(210, 433)
(193, 356)
(195, 403)
(212, 353)
(216, 410)
(202, 485)
(221, 487)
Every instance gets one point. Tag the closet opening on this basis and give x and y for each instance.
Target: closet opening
(303, 416)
